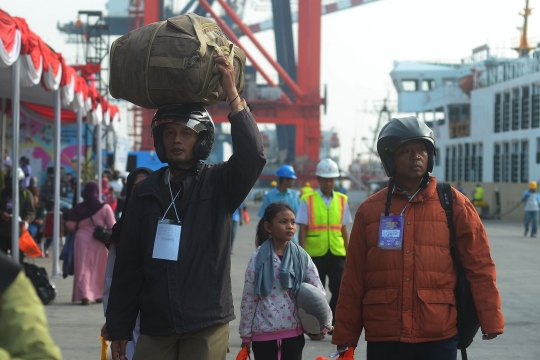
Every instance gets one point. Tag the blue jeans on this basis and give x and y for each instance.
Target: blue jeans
(434, 350)
(531, 216)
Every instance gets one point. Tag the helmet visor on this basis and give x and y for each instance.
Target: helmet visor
(195, 125)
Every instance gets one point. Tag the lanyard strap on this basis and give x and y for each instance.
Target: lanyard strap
(173, 200)
(412, 197)
(389, 197)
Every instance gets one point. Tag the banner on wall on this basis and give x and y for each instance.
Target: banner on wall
(36, 142)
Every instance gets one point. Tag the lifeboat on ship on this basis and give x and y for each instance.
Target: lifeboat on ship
(466, 81)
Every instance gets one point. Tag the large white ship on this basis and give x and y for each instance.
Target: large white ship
(485, 113)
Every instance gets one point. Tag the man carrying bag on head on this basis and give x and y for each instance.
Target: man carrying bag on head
(401, 281)
(173, 262)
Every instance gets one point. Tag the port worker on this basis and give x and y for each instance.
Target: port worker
(323, 217)
(174, 260)
(398, 285)
(478, 193)
(307, 189)
(282, 192)
(531, 199)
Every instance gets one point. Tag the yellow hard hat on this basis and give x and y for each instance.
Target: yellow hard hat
(273, 183)
(533, 185)
(307, 184)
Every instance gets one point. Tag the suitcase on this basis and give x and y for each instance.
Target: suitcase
(171, 62)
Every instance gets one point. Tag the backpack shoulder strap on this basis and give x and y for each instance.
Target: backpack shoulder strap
(445, 196)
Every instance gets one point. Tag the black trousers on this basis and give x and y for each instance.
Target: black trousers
(433, 350)
(332, 266)
(291, 348)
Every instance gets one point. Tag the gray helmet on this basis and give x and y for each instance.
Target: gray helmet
(397, 132)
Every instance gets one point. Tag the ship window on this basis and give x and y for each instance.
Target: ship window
(473, 163)
(428, 84)
(497, 163)
(515, 109)
(409, 85)
(515, 162)
(497, 113)
(524, 161)
(535, 108)
(525, 108)
(447, 164)
(480, 164)
(538, 150)
(460, 163)
(506, 163)
(506, 112)
(454, 163)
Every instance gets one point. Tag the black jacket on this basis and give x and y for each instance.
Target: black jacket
(194, 292)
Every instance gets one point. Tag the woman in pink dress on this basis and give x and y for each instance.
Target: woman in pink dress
(90, 255)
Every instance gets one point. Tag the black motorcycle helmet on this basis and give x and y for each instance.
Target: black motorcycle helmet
(193, 116)
(399, 131)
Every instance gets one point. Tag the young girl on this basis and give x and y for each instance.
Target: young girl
(269, 320)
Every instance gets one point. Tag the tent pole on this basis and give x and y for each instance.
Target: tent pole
(56, 214)
(79, 157)
(99, 158)
(15, 115)
(3, 130)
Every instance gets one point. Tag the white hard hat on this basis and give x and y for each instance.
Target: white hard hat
(327, 168)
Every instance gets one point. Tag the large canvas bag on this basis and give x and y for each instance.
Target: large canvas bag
(172, 62)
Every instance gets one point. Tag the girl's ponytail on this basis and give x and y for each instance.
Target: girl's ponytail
(261, 235)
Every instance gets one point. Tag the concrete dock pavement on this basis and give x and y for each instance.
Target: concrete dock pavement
(76, 328)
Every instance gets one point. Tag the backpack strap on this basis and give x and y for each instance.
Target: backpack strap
(445, 197)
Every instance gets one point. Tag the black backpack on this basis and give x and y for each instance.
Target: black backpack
(39, 278)
(467, 318)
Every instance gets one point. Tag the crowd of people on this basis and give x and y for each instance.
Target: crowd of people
(163, 270)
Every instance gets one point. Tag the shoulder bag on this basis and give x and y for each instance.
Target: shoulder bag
(101, 233)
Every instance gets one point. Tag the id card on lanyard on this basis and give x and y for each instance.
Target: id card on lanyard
(167, 240)
(391, 232)
(391, 229)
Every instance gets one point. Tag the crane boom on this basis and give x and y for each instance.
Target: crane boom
(325, 9)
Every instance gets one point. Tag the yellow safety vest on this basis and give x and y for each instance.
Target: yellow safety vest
(306, 190)
(324, 225)
(479, 193)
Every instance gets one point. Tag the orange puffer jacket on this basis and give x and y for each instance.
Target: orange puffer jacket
(408, 295)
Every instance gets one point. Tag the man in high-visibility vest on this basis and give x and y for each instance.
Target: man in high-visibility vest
(323, 216)
(478, 193)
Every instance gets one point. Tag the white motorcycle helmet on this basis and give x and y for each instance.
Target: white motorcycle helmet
(327, 168)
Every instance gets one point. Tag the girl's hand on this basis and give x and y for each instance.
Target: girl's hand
(248, 346)
(315, 336)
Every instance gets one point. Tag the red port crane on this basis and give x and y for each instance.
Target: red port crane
(303, 111)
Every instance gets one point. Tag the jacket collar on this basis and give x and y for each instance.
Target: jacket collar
(426, 193)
